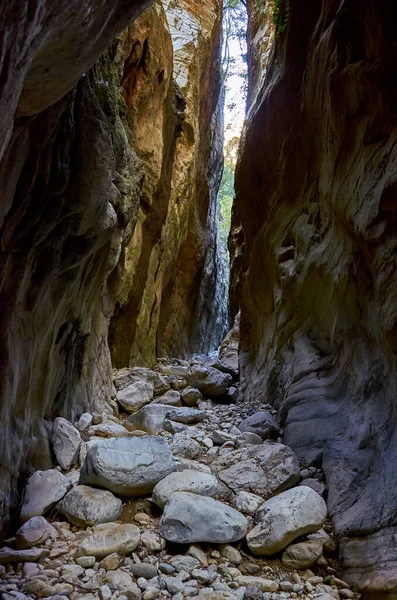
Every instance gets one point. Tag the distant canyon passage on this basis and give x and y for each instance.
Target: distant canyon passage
(111, 160)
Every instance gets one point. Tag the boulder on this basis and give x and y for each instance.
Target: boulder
(43, 490)
(150, 418)
(135, 395)
(284, 518)
(85, 506)
(186, 415)
(108, 538)
(126, 376)
(34, 532)
(190, 518)
(196, 482)
(262, 423)
(209, 381)
(302, 555)
(66, 442)
(191, 396)
(248, 438)
(265, 469)
(127, 466)
(170, 398)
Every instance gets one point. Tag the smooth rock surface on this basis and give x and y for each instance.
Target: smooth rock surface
(127, 466)
(187, 416)
(85, 506)
(284, 518)
(196, 482)
(43, 490)
(302, 555)
(108, 538)
(150, 418)
(209, 381)
(191, 518)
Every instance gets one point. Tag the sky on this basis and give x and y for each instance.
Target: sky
(234, 117)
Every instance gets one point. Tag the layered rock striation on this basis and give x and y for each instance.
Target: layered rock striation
(172, 298)
(314, 243)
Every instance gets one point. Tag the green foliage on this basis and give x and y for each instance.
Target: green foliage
(280, 16)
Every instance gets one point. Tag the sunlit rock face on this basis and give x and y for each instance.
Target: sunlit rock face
(169, 302)
(70, 183)
(314, 259)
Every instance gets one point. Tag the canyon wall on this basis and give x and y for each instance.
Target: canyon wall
(87, 154)
(172, 297)
(314, 245)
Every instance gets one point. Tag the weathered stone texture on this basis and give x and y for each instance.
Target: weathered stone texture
(316, 186)
(168, 303)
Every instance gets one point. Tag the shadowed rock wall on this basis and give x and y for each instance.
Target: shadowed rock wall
(69, 184)
(168, 301)
(315, 242)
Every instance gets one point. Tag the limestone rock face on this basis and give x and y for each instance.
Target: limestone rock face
(167, 301)
(314, 243)
(69, 184)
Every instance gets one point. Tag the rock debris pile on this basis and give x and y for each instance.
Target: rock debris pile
(181, 490)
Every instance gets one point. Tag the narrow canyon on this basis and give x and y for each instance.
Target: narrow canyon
(171, 425)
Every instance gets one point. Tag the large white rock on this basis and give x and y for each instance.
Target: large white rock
(85, 506)
(43, 490)
(150, 418)
(202, 484)
(127, 466)
(66, 442)
(108, 538)
(248, 503)
(135, 395)
(264, 470)
(191, 518)
(284, 518)
(34, 532)
(186, 415)
(170, 398)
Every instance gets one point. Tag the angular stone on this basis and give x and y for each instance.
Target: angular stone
(128, 466)
(120, 579)
(316, 485)
(284, 518)
(127, 376)
(150, 418)
(328, 543)
(191, 396)
(264, 470)
(66, 442)
(209, 381)
(248, 503)
(108, 538)
(152, 541)
(248, 438)
(184, 563)
(191, 518)
(34, 532)
(135, 395)
(108, 430)
(186, 415)
(196, 482)
(43, 490)
(85, 506)
(302, 555)
(170, 398)
(262, 423)
(184, 446)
